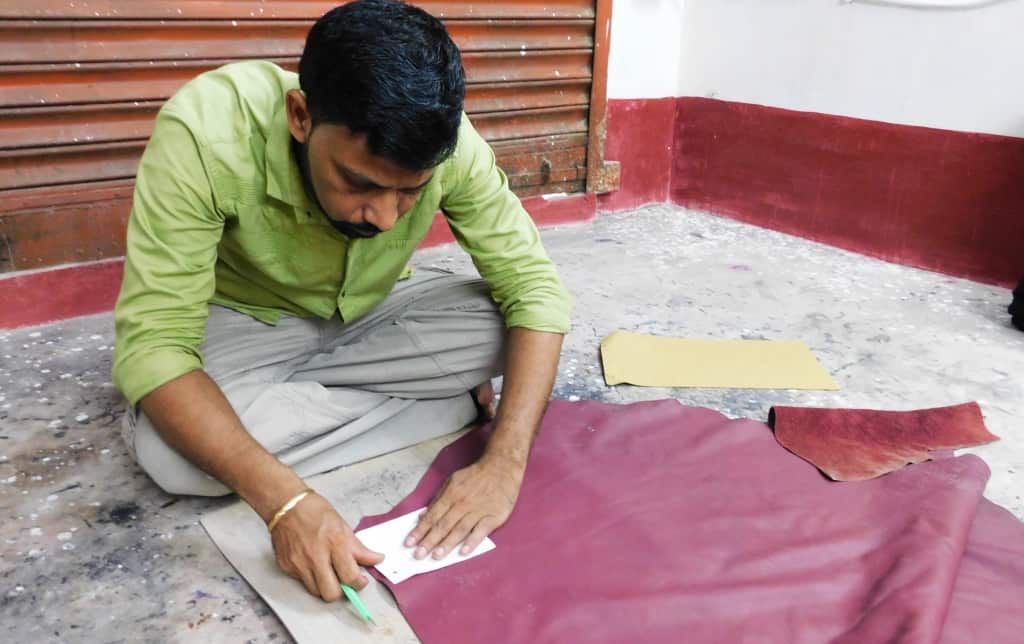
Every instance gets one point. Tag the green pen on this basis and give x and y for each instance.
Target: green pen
(360, 607)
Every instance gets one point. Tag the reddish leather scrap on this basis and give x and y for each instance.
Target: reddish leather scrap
(860, 444)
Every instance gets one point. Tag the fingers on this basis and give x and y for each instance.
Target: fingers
(484, 397)
(347, 569)
(319, 579)
(485, 526)
(427, 520)
(326, 581)
(436, 530)
(325, 562)
(308, 580)
(456, 535)
(363, 555)
(470, 531)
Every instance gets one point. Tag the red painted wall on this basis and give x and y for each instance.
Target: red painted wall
(640, 136)
(946, 201)
(56, 294)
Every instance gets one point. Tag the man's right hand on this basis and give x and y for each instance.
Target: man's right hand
(311, 541)
(315, 545)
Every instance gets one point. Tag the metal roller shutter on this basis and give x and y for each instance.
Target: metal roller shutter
(81, 80)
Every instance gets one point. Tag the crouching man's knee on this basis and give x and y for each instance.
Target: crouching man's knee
(168, 469)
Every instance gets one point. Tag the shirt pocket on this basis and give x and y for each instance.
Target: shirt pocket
(302, 256)
(397, 245)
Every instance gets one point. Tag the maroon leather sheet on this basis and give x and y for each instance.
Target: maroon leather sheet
(860, 444)
(988, 597)
(656, 523)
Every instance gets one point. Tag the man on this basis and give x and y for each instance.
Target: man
(267, 328)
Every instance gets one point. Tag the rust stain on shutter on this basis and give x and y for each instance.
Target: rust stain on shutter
(80, 83)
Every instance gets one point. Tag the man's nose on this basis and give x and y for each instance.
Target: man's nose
(382, 211)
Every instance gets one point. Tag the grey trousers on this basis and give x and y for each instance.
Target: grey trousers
(320, 394)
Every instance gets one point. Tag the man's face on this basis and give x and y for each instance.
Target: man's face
(360, 193)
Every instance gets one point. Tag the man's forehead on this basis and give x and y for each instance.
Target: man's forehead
(404, 180)
(350, 153)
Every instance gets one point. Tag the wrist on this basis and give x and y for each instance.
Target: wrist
(270, 501)
(271, 485)
(511, 460)
(288, 506)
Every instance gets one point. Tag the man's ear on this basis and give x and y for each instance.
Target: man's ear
(300, 122)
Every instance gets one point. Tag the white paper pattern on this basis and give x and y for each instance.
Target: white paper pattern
(388, 538)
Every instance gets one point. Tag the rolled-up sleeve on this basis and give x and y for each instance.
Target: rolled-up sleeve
(170, 255)
(491, 224)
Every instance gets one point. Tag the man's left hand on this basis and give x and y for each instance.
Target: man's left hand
(474, 502)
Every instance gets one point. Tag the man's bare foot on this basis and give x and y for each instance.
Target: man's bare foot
(485, 400)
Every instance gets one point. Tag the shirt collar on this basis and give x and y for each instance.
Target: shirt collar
(284, 182)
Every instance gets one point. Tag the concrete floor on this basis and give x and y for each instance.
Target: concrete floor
(92, 551)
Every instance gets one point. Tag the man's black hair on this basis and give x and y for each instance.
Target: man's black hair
(391, 71)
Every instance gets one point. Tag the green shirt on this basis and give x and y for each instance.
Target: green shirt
(220, 215)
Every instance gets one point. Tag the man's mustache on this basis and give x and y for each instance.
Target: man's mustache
(356, 230)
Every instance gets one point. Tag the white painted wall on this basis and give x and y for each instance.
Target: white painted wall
(647, 38)
(959, 70)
